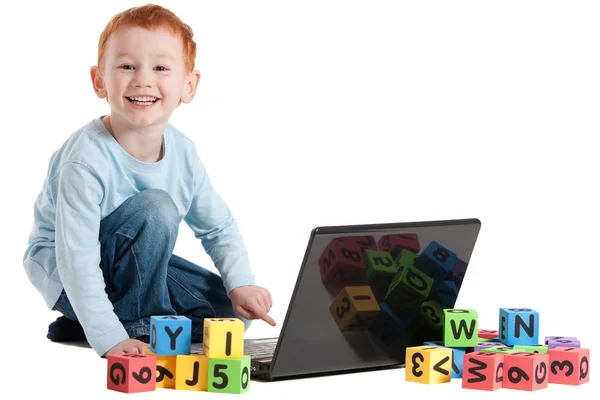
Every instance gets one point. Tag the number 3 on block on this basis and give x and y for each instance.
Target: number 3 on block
(229, 375)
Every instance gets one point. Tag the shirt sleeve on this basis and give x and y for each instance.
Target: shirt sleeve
(78, 199)
(212, 222)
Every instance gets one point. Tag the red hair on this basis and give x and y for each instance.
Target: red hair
(151, 17)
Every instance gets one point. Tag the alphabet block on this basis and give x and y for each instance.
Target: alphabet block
(458, 355)
(487, 334)
(460, 328)
(526, 371)
(409, 289)
(563, 343)
(223, 337)
(483, 371)
(229, 375)
(354, 308)
(500, 350)
(435, 260)
(569, 365)
(192, 372)
(170, 335)
(165, 371)
(536, 348)
(548, 338)
(342, 262)
(518, 326)
(428, 364)
(131, 373)
(397, 242)
(487, 345)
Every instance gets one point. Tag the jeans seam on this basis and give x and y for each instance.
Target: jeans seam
(175, 279)
(137, 269)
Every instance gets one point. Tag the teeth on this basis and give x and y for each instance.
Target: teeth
(143, 98)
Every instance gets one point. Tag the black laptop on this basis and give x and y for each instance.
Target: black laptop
(364, 294)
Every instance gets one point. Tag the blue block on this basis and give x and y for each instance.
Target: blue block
(458, 354)
(518, 326)
(170, 335)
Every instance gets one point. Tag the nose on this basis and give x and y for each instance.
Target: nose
(143, 78)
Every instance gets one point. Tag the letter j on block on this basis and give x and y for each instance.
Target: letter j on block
(170, 335)
(518, 326)
(460, 328)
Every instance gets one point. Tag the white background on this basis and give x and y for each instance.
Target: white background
(330, 113)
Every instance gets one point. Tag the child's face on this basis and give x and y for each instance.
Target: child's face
(146, 65)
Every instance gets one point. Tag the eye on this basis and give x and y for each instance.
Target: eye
(126, 67)
(162, 68)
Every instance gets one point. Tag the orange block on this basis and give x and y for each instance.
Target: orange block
(569, 365)
(131, 373)
(526, 371)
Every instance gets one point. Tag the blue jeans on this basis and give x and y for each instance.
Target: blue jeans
(142, 275)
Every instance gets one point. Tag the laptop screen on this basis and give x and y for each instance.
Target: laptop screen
(366, 293)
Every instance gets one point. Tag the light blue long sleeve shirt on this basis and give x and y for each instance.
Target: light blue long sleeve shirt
(87, 179)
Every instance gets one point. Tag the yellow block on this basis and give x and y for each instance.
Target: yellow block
(191, 372)
(223, 338)
(428, 364)
(166, 367)
(354, 308)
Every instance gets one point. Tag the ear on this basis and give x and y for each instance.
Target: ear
(98, 82)
(191, 84)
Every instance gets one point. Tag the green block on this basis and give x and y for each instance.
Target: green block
(409, 287)
(501, 350)
(229, 375)
(533, 348)
(433, 313)
(405, 259)
(379, 264)
(482, 340)
(460, 328)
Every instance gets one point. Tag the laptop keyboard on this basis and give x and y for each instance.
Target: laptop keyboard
(260, 348)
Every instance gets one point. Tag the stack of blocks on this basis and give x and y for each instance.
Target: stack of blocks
(509, 357)
(222, 366)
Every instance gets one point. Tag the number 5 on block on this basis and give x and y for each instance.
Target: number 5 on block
(229, 375)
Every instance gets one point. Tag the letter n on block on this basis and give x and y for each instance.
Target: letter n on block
(519, 326)
(483, 371)
(170, 335)
(131, 373)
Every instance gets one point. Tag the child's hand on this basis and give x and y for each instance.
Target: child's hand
(128, 346)
(252, 302)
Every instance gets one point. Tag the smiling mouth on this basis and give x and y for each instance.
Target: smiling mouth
(143, 100)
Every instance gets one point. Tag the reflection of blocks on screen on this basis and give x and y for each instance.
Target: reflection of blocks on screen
(525, 371)
(518, 326)
(457, 273)
(404, 260)
(569, 365)
(397, 242)
(483, 371)
(460, 328)
(131, 373)
(428, 364)
(409, 289)
(191, 372)
(170, 335)
(436, 260)
(381, 270)
(458, 355)
(432, 313)
(446, 292)
(342, 262)
(354, 308)
(388, 327)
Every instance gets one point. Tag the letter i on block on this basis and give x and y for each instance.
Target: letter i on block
(460, 328)
(223, 337)
(483, 371)
(170, 335)
(131, 373)
(518, 326)
(569, 365)
(428, 364)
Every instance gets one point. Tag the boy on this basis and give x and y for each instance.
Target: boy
(107, 218)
